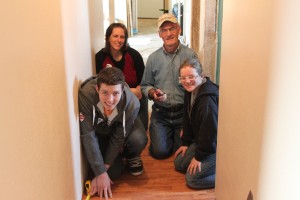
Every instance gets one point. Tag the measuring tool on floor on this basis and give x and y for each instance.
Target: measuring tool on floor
(88, 189)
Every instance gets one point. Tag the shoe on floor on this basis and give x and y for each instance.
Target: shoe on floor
(135, 166)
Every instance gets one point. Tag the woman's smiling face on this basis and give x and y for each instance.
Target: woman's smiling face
(117, 39)
(189, 78)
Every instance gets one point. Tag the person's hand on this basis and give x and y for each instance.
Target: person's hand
(179, 150)
(137, 92)
(157, 95)
(101, 186)
(194, 165)
(181, 133)
(107, 166)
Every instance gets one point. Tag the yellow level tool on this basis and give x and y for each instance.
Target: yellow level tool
(88, 189)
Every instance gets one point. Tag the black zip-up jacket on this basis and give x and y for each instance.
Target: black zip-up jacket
(200, 120)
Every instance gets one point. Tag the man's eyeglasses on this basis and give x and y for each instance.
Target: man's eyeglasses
(190, 78)
(165, 30)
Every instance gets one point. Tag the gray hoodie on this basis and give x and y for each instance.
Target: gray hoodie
(94, 127)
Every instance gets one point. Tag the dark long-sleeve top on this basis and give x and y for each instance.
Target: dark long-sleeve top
(131, 64)
(201, 119)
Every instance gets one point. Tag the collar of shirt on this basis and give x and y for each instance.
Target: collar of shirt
(111, 116)
(175, 52)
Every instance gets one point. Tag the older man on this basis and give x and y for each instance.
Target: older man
(160, 83)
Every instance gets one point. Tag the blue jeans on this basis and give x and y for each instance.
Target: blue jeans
(143, 112)
(200, 180)
(164, 131)
(135, 144)
(136, 141)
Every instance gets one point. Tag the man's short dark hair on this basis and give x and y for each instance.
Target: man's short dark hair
(110, 76)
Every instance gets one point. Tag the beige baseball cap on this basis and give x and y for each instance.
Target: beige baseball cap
(166, 17)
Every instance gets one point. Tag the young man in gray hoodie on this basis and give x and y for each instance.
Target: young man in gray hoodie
(110, 129)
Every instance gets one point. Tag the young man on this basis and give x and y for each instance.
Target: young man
(160, 84)
(110, 128)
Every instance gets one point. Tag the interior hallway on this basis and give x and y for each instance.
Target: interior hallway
(146, 40)
(159, 180)
(47, 48)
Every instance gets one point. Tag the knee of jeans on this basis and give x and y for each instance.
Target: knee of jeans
(160, 153)
(196, 182)
(142, 143)
(178, 165)
(139, 142)
(190, 184)
(190, 180)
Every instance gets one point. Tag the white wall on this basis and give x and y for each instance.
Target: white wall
(279, 172)
(187, 18)
(47, 50)
(121, 11)
(36, 152)
(150, 9)
(259, 140)
(82, 36)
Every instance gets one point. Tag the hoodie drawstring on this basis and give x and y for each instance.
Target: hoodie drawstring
(124, 123)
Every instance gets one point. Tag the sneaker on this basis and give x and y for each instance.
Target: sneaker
(135, 166)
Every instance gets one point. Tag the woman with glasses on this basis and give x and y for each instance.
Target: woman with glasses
(197, 155)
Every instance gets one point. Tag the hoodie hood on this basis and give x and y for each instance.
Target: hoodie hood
(208, 88)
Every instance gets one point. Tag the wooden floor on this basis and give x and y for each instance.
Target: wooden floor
(159, 181)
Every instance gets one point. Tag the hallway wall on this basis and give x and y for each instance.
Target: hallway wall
(46, 52)
(259, 112)
(147, 9)
(35, 130)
